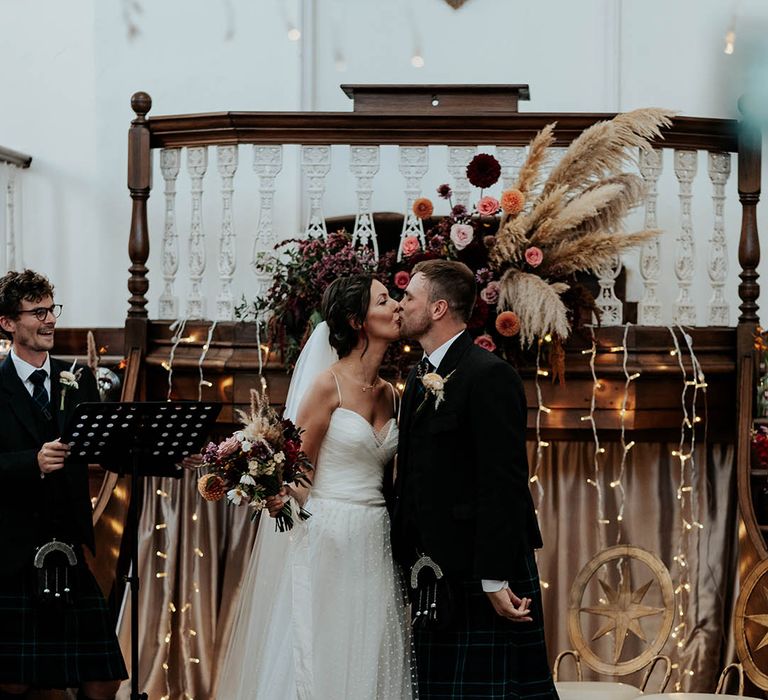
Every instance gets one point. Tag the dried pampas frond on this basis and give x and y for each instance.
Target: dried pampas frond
(537, 153)
(513, 234)
(611, 216)
(591, 251)
(537, 304)
(605, 147)
(576, 212)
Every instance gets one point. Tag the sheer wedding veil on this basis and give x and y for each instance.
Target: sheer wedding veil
(316, 357)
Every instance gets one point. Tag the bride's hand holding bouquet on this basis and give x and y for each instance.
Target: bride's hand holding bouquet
(255, 465)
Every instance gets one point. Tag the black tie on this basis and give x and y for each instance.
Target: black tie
(39, 394)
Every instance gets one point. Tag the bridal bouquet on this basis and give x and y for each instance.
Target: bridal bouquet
(256, 462)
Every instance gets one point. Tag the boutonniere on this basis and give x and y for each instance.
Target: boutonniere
(435, 385)
(69, 380)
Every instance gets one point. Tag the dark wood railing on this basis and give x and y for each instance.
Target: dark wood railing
(20, 160)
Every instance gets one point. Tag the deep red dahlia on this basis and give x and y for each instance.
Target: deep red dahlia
(483, 170)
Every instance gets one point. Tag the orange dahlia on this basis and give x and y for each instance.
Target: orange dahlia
(211, 487)
(508, 324)
(512, 201)
(423, 208)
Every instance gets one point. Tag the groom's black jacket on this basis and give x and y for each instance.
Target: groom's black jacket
(461, 494)
(33, 510)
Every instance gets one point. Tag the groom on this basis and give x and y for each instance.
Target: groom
(461, 497)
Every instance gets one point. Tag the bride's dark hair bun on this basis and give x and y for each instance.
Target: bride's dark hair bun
(346, 301)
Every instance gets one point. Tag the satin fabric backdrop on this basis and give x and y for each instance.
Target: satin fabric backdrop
(568, 517)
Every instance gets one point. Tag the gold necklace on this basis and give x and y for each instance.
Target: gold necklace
(370, 387)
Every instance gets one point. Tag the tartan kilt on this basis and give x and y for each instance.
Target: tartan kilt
(57, 647)
(484, 655)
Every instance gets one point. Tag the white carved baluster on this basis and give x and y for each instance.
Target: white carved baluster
(10, 218)
(227, 158)
(511, 159)
(316, 163)
(649, 309)
(686, 163)
(364, 164)
(607, 301)
(197, 164)
(458, 160)
(170, 163)
(267, 163)
(719, 172)
(414, 163)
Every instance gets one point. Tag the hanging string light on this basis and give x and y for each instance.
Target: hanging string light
(596, 479)
(203, 382)
(618, 480)
(164, 506)
(179, 324)
(689, 523)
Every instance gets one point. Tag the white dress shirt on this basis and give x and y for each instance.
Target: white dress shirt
(24, 370)
(435, 358)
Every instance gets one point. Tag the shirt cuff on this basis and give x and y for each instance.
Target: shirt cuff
(493, 586)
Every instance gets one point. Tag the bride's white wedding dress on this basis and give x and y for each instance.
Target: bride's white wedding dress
(322, 613)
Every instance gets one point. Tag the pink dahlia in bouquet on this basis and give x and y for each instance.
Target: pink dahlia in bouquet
(256, 462)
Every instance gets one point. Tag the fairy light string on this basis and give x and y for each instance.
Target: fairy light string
(685, 454)
(178, 326)
(540, 444)
(618, 481)
(206, 345)
(596, 480)
(161, 554)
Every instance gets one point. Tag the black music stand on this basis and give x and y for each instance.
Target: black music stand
(143, 439)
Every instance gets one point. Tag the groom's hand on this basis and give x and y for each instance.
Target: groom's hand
(508, 605)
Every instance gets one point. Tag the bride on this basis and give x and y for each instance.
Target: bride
(322, 614)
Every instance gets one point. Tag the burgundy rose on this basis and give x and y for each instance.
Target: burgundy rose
(486, 342)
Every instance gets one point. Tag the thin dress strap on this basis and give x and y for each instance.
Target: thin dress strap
(338, 388)
(394, 398)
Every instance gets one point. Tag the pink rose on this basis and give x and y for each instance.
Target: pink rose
(490, 294)
(228, 447)
(411, 245)
(487, 206)
(486, 342)
(462, 235)
(534, 256)
(402, 279)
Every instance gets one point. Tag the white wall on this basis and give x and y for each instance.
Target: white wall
(69, 71)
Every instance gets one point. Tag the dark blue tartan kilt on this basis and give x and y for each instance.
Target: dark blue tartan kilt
(56, 647)
(484, 655)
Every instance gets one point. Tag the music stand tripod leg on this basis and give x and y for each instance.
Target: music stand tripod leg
(133, 579)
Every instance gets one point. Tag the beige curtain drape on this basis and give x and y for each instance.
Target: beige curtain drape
(207, 546)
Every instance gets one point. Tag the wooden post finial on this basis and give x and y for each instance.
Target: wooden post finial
(141, 103)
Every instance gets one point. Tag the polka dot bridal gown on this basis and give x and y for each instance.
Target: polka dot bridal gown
(322, 614)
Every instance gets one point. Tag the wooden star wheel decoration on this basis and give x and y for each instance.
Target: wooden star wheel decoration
(751, 625)
(622, 608)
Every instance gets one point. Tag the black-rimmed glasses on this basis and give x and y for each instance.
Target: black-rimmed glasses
(41, 312)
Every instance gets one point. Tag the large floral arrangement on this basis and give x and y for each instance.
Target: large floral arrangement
(255, 462)
(527, 261)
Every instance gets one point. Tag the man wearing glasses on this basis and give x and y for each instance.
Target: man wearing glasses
(55, 629)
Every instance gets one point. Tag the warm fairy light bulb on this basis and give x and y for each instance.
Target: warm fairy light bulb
(160, 554)
(546, 409)
(161, 574)
(730, 41)
(542, 372)
(406, 348)
(617, 348)
(544, 584)
(533, 479)
(160, 526)
(417, 60)
(294, 34)
(548, 338)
